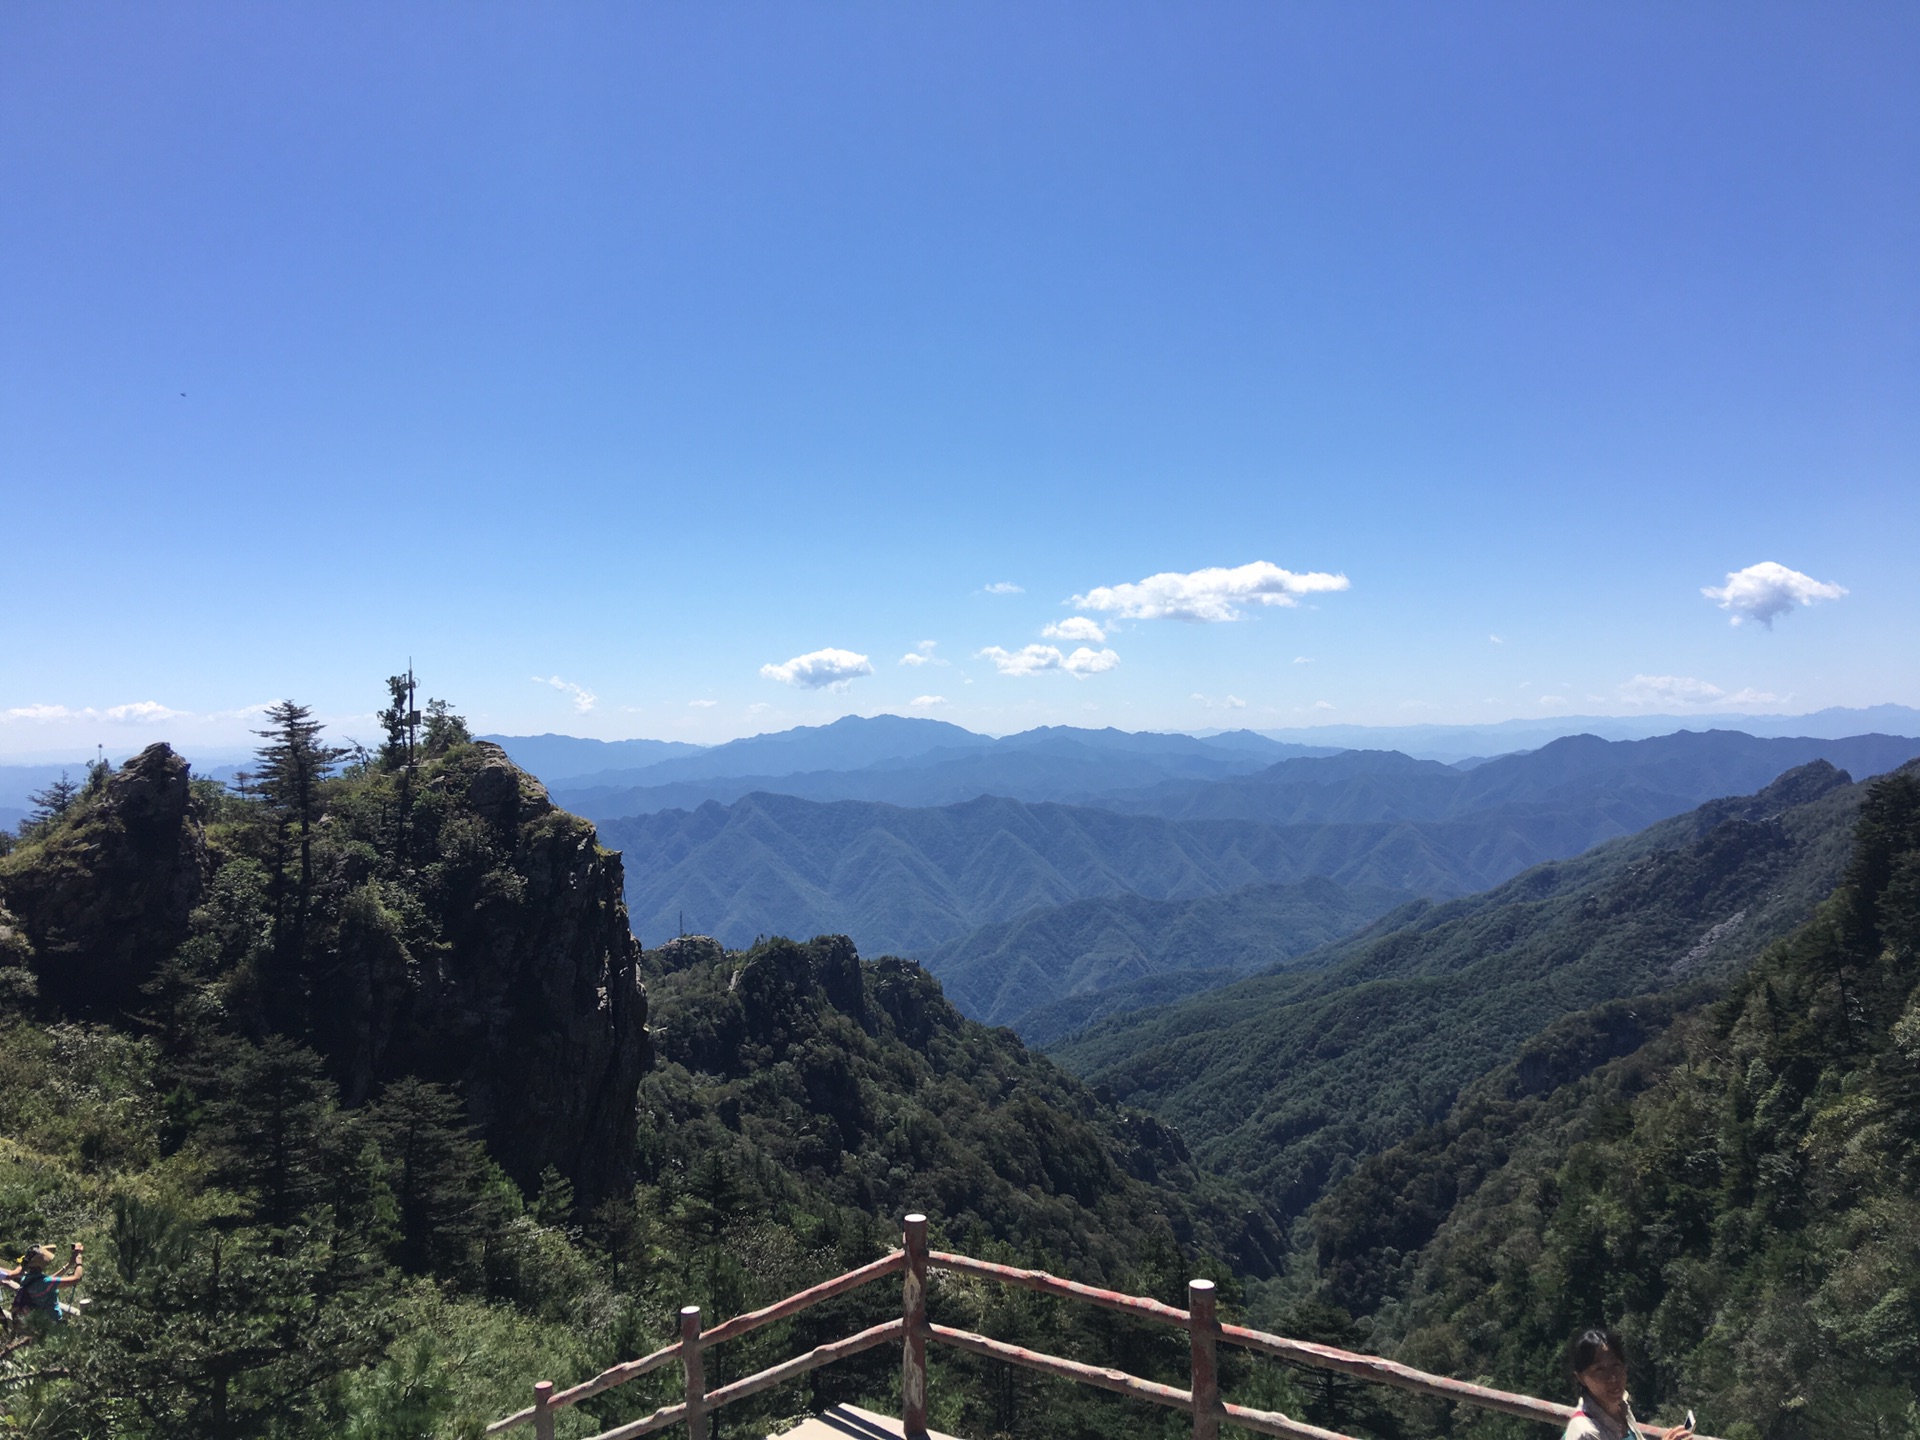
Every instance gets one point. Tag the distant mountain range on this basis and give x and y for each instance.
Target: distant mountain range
(899, 760)
(1055, 763)
(1641, 780)
(854, 742)
(913, 880)
(1458, 742)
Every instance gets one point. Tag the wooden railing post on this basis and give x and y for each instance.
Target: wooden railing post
(543, 1409)
(694, 1363)
(913, 1314)
(1203, 1336)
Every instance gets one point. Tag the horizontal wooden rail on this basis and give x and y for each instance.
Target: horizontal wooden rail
(1391, 1372)
(890, 1264)
(618, 1375)
(812, 1360)
(1118, 1381)
(659, 1420)
(1054, 1285)
(1404, 1377)
(587, 1389)
(1272, 1422)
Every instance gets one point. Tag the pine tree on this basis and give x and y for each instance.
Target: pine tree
(292, 765)
(401, 721)
(268, 1128)
(444, 728)
(52, 803)
(436, 1172)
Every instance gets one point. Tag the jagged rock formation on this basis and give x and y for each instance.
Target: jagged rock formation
(104, 899)
(529, 999)
(483, 944)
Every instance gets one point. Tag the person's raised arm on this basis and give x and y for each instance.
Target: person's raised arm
(73, 1264)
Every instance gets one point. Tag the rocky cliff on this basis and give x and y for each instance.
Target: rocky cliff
(458, 927)
(104, 898)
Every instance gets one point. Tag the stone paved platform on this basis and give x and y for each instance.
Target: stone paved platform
(850, 1422)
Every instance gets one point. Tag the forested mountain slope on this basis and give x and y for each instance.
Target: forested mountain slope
(1001, 973)
(1733, 1184)
(1286, 1081)
(863, 1082)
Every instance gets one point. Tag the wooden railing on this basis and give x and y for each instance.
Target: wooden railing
(913, 1262)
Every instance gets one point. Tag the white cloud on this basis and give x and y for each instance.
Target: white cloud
(1004, 587)
(1076, 627)
(1226, 702)
(1215, 593)
(1765, 591)
(1028, 660)
(701, 704)
(1323, 705)
(1670, 690)
(820, 669)
(1037, 659)
(1495, 640)
(137, 712)
(244, 713)
(1303, 660)
(922, 654)
(1553, 700)
(925, 702)
(142, 711)
(1682, 691)
(1091, 662)
(583, 698)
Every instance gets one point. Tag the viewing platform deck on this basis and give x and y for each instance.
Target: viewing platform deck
(850, 1422)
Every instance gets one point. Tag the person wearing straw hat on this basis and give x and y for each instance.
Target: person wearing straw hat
(37, 1294)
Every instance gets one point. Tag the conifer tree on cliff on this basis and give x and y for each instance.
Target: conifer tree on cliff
(293, 762)
(401, 721)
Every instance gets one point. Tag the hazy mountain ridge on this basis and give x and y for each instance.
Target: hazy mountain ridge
(1643, 780)
(869, 760)
(1066, 771)
(909, 880)
(1459, 742)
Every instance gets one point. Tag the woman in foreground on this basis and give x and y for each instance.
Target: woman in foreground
(1599, 1365)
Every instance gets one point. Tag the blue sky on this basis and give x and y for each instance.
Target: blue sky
(609, 359)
